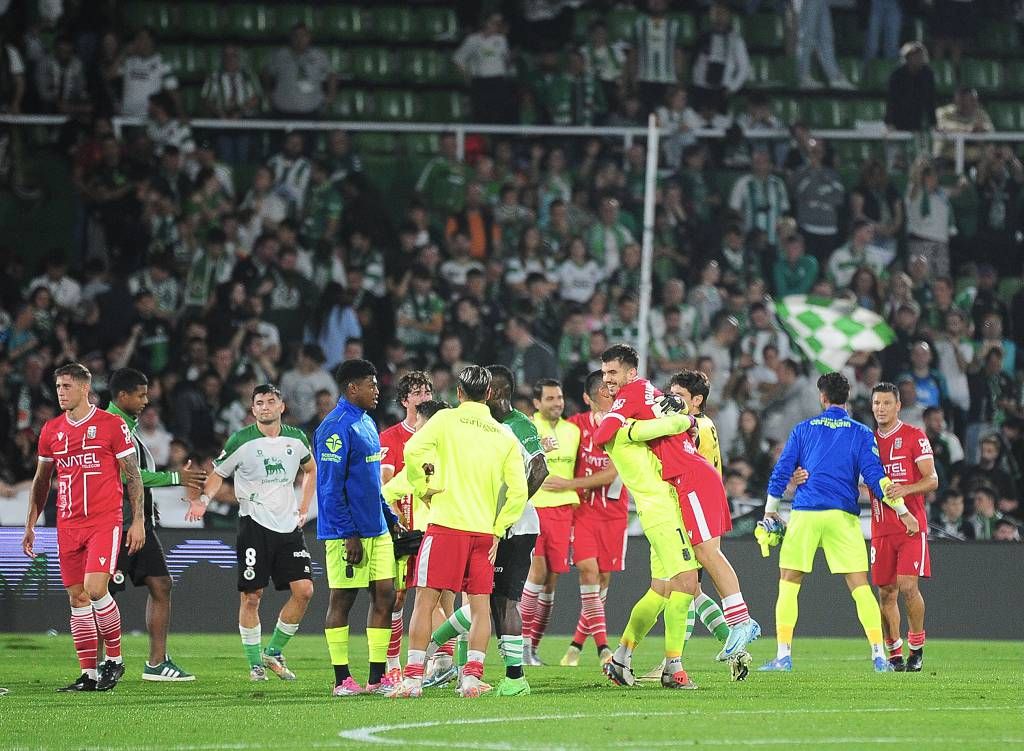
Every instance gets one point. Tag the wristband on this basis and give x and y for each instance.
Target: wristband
(901, 508)
(771, 506)
(204, 499)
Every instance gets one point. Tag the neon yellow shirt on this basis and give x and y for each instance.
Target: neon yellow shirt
(707, 441)
(476, 456)
(561, 461)
(397, 488)
(640, 471)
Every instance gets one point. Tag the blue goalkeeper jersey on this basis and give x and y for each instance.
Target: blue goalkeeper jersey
(837, 451)
(348, 488)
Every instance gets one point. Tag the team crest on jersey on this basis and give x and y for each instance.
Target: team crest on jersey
(898, 443)
(90, 432)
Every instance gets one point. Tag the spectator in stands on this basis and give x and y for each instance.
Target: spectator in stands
(911, 102)
(165, 127)
(817, 195)
(954, 351)
(857, 252)
(1006, 530)
(721, 65)
(929, 384)
(679, 119)
(608, 236)
(605, 61)
(792, 402)
(291, 168)
(66, 292)
(485, 60)
(990, 469)
(999, 179)
(262, 204)
(877, 200)
(884, 23)
(420, 317)
(817, 36)
(60, 80)
(299, 78)
(624, 323)
(948, 516)
(985, 516)
(527, 358)
(760, 197)
(232, 92)
(794, 272)
(763, 332)
(720, 345)
(145, 72)
(442, 183)
(990, 336)
(949, 453)
(578, 275)
(964, 115)
(930, 219)
(343, 161)
(301, 384)
(656, 54)
(994, 396)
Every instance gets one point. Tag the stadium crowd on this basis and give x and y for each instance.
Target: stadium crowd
(525, 252)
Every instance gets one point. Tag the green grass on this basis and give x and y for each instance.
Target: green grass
(968, 697)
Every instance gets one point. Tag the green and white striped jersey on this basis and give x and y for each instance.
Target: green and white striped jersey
(264, 471)
(655, 41)
(525, 431)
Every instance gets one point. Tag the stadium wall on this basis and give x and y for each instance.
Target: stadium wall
(976, 592)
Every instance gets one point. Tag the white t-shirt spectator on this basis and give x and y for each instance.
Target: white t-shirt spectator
(454, 270)
(929, 219)
(956, 378)
(171, 133)
(299, 392)
(143, 77)
(483, 56)
(298, 80)
(578, 283)
(158, 441)
(66, 292)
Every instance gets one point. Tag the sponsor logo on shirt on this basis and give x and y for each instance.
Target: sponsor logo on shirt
(273, 467)
(374, 457)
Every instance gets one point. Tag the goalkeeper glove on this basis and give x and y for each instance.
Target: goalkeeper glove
(669, 404)
(769, 533)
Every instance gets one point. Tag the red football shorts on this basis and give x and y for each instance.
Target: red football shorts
(601, 536)
(704, 504)
(88, 550)
(555, 537)
(899, 555)
(455, 560)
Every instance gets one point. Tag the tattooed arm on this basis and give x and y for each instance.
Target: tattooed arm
(133, 482)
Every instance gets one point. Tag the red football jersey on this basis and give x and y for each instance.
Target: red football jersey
(611, 500)
(900, 451)
(636, 400)
(392, 450)
(85, 455)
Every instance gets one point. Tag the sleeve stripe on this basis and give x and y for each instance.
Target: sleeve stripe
(923, 457)
(617, 416)
(45, 458)
(126, 452)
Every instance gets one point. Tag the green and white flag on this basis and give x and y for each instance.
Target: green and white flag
(829, 331)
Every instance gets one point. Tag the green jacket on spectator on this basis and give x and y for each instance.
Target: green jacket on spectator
(795, 280)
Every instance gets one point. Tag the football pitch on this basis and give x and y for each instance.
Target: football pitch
(969, 696)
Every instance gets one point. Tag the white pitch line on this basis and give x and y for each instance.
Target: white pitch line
(373, 734)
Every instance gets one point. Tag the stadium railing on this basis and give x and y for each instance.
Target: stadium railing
(628, 135)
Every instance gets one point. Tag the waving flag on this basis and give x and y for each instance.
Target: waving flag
(829, 331)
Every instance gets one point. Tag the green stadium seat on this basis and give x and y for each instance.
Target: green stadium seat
(868, 110)
(876, 76)
(351, 104)
(761, 73)
(424, 144)
(340, 59)
(374, 64)
(446, 107)
(764, 31)
(853, 69)
(984, 75)
(854, 153)
(945, 77)
(256, 56)
(1006, 115)
(284, 17)
(436, 25)
(393, 24)
(1014, 75)
(203, 20)
(161, 17)
(788, 109)
(251, 22)
(620, 25)
(376, 143)
(999, 38)
(849, 34)
(828, 113)
(188, 62)
(428, 66)
(191, 99)
(401, 106)
(343, 23)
